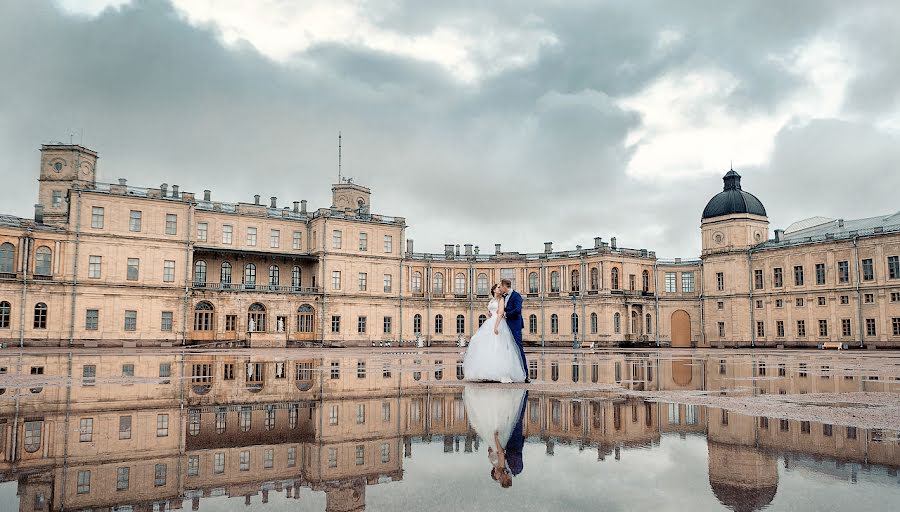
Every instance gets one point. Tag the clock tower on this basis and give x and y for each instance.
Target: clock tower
(62, 167)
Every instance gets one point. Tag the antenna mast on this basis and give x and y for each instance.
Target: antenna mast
(339, 158)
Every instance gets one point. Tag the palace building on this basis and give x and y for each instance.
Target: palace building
(116, 265)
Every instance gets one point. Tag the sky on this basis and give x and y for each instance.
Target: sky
(512, 122)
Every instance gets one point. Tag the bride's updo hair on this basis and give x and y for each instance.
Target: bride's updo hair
(494, 288)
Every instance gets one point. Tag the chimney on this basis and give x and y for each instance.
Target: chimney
(577, 247)
(840, 223)
(256, 199)
(612, 242)
(476, 250)
(163, 189)
(39, 213)
(123, 181)
(468, 248)
(303, 206)
(448, 250)
(274, 201)
(597, 241)
(457, 249)
(175, 191)
(207, 195)
(409, 244)
(779, 234)
(296, 206)
(496, 248)
(548, 247)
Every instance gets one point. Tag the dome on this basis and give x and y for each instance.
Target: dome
(733, 200)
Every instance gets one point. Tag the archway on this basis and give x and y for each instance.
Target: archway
(681, 329)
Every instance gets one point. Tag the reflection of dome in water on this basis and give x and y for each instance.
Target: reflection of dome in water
(347, 496)
(742, 478)
(682, 371)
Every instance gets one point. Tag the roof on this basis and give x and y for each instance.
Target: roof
(732, 199)
(807, 223)
(836, 227)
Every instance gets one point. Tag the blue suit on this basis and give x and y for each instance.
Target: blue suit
(517, 442)
(514, 320)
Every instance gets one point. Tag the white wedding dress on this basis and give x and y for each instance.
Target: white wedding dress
(493, 357)
(493, 409)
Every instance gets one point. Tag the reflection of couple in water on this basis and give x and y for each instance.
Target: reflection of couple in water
(496, 414)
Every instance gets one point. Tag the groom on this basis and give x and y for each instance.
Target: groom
(513, 312)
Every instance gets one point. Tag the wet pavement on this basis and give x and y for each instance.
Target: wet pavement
(387, 429)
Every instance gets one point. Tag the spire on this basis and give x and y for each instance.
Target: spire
(339, 157)
(732, 180)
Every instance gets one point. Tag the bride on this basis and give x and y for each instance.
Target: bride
(493, 354)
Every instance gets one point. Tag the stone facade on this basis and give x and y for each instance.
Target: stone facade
(116, 265)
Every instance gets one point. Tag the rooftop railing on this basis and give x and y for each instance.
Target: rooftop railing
(258, 288)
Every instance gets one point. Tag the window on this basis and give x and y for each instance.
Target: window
(251, 237)
(759, 303)
(256, 318)
(799, 302)
(893, 267)
(335, 324)
(84, 482)
(333, 414)
(7, 258)
(360, 455)
(202, 231)
(574, 323)
(870, 327)
(576, 281)
(532, 324)
(779, 328)
(481, 320)
(895, 296)
(554, 282)
(779, 303)
(171, 224)
(417, 324)
(332, 457)
(594, 323)
(416, 284)
(122, 475)
(614, 278)
(162, 425)
(649, 323)
(460, 324)
(269, 458)
(245, 419)
(845, 327)
(128, 370)
(361, 325)
(335, 279)
(295, 277)
(5, 314)
(250, 276)
(97, 217)
(843, 272)
(387, 325)
(91, 319)
(33, 433)
(227, 232)
(385, 453)
(130, 320)
(720, 281)
(43, 260)
(88, 375)
(687, 282)
(200, 273)
(670, 282)
(305, 318)
(230, 322)
(509, 273)
(437, 286)
(778, 278)
(40, 316)
(274, 275)
(274, 239)
(169, 271)
(720, 305)
(721, 326)
(760, 329)
(481, 284)
(798, 275)
(895, 325)
(617, 323)
(193, 465)
(822, 301)
(57, 198)
(363, 242)
(758, 279)
(203, 316)
(86, 430)
(554, 324)
(533, 282)
(159, 475)
(869, 298)
(361, 413)
(134, 221)
(823, 328)
(645, 281)
(820, 273)
(336, 239)
(363, 281)
(225, 274)
(439, 324)
(166, 321)
(868, 270)
(459, 287)
(219, 463)
(388, 244)
(295, 243)
(801, 328)
(387, 283)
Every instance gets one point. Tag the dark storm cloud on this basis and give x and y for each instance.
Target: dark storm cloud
(163, 100)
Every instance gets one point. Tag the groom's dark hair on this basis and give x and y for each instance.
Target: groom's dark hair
(506, 282)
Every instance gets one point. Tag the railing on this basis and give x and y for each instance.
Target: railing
(262, 288)
(8, 275)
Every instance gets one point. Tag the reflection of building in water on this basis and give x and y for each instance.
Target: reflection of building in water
(248, 427)
(157, 266)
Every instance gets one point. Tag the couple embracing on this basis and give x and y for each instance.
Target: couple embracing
(495, 352)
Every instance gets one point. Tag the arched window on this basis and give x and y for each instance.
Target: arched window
(225, 275)
(574, 323)
(533, 282)
(481, 320)
(295, 278)
(439, 324)
(256, 318)
(645, 280)
(460, 287)
(200, 273)
(5, 314)
(595, 278)
(40, 316)
(554, 282)
(273, 275)
(417, 324)
(417, 282)
(43, 260)
(305, 318)
(554, 324)
(7, 258)
(460, 324)
(203, 316)
(532, 324)
(593, 323)
(614, 278)
(576, 280)
(482, 284)
(649, 324)
(250, 276)
(438, 284)
(617, 323)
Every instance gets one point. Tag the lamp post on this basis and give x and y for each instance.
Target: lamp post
(574, 321)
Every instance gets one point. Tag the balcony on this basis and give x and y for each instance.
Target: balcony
(257, 288)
